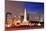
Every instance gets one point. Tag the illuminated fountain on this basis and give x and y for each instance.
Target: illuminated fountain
(25, 17)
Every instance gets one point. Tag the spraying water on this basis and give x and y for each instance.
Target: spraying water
(25, 16)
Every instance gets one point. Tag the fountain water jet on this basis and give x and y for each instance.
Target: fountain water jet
(25, 16)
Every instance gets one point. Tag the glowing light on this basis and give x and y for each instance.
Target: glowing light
(39, 24)
(8, 25)
(25, 19)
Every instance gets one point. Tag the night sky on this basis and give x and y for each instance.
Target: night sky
(34, 7)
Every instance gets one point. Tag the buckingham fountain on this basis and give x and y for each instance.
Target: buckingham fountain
(24, 22)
